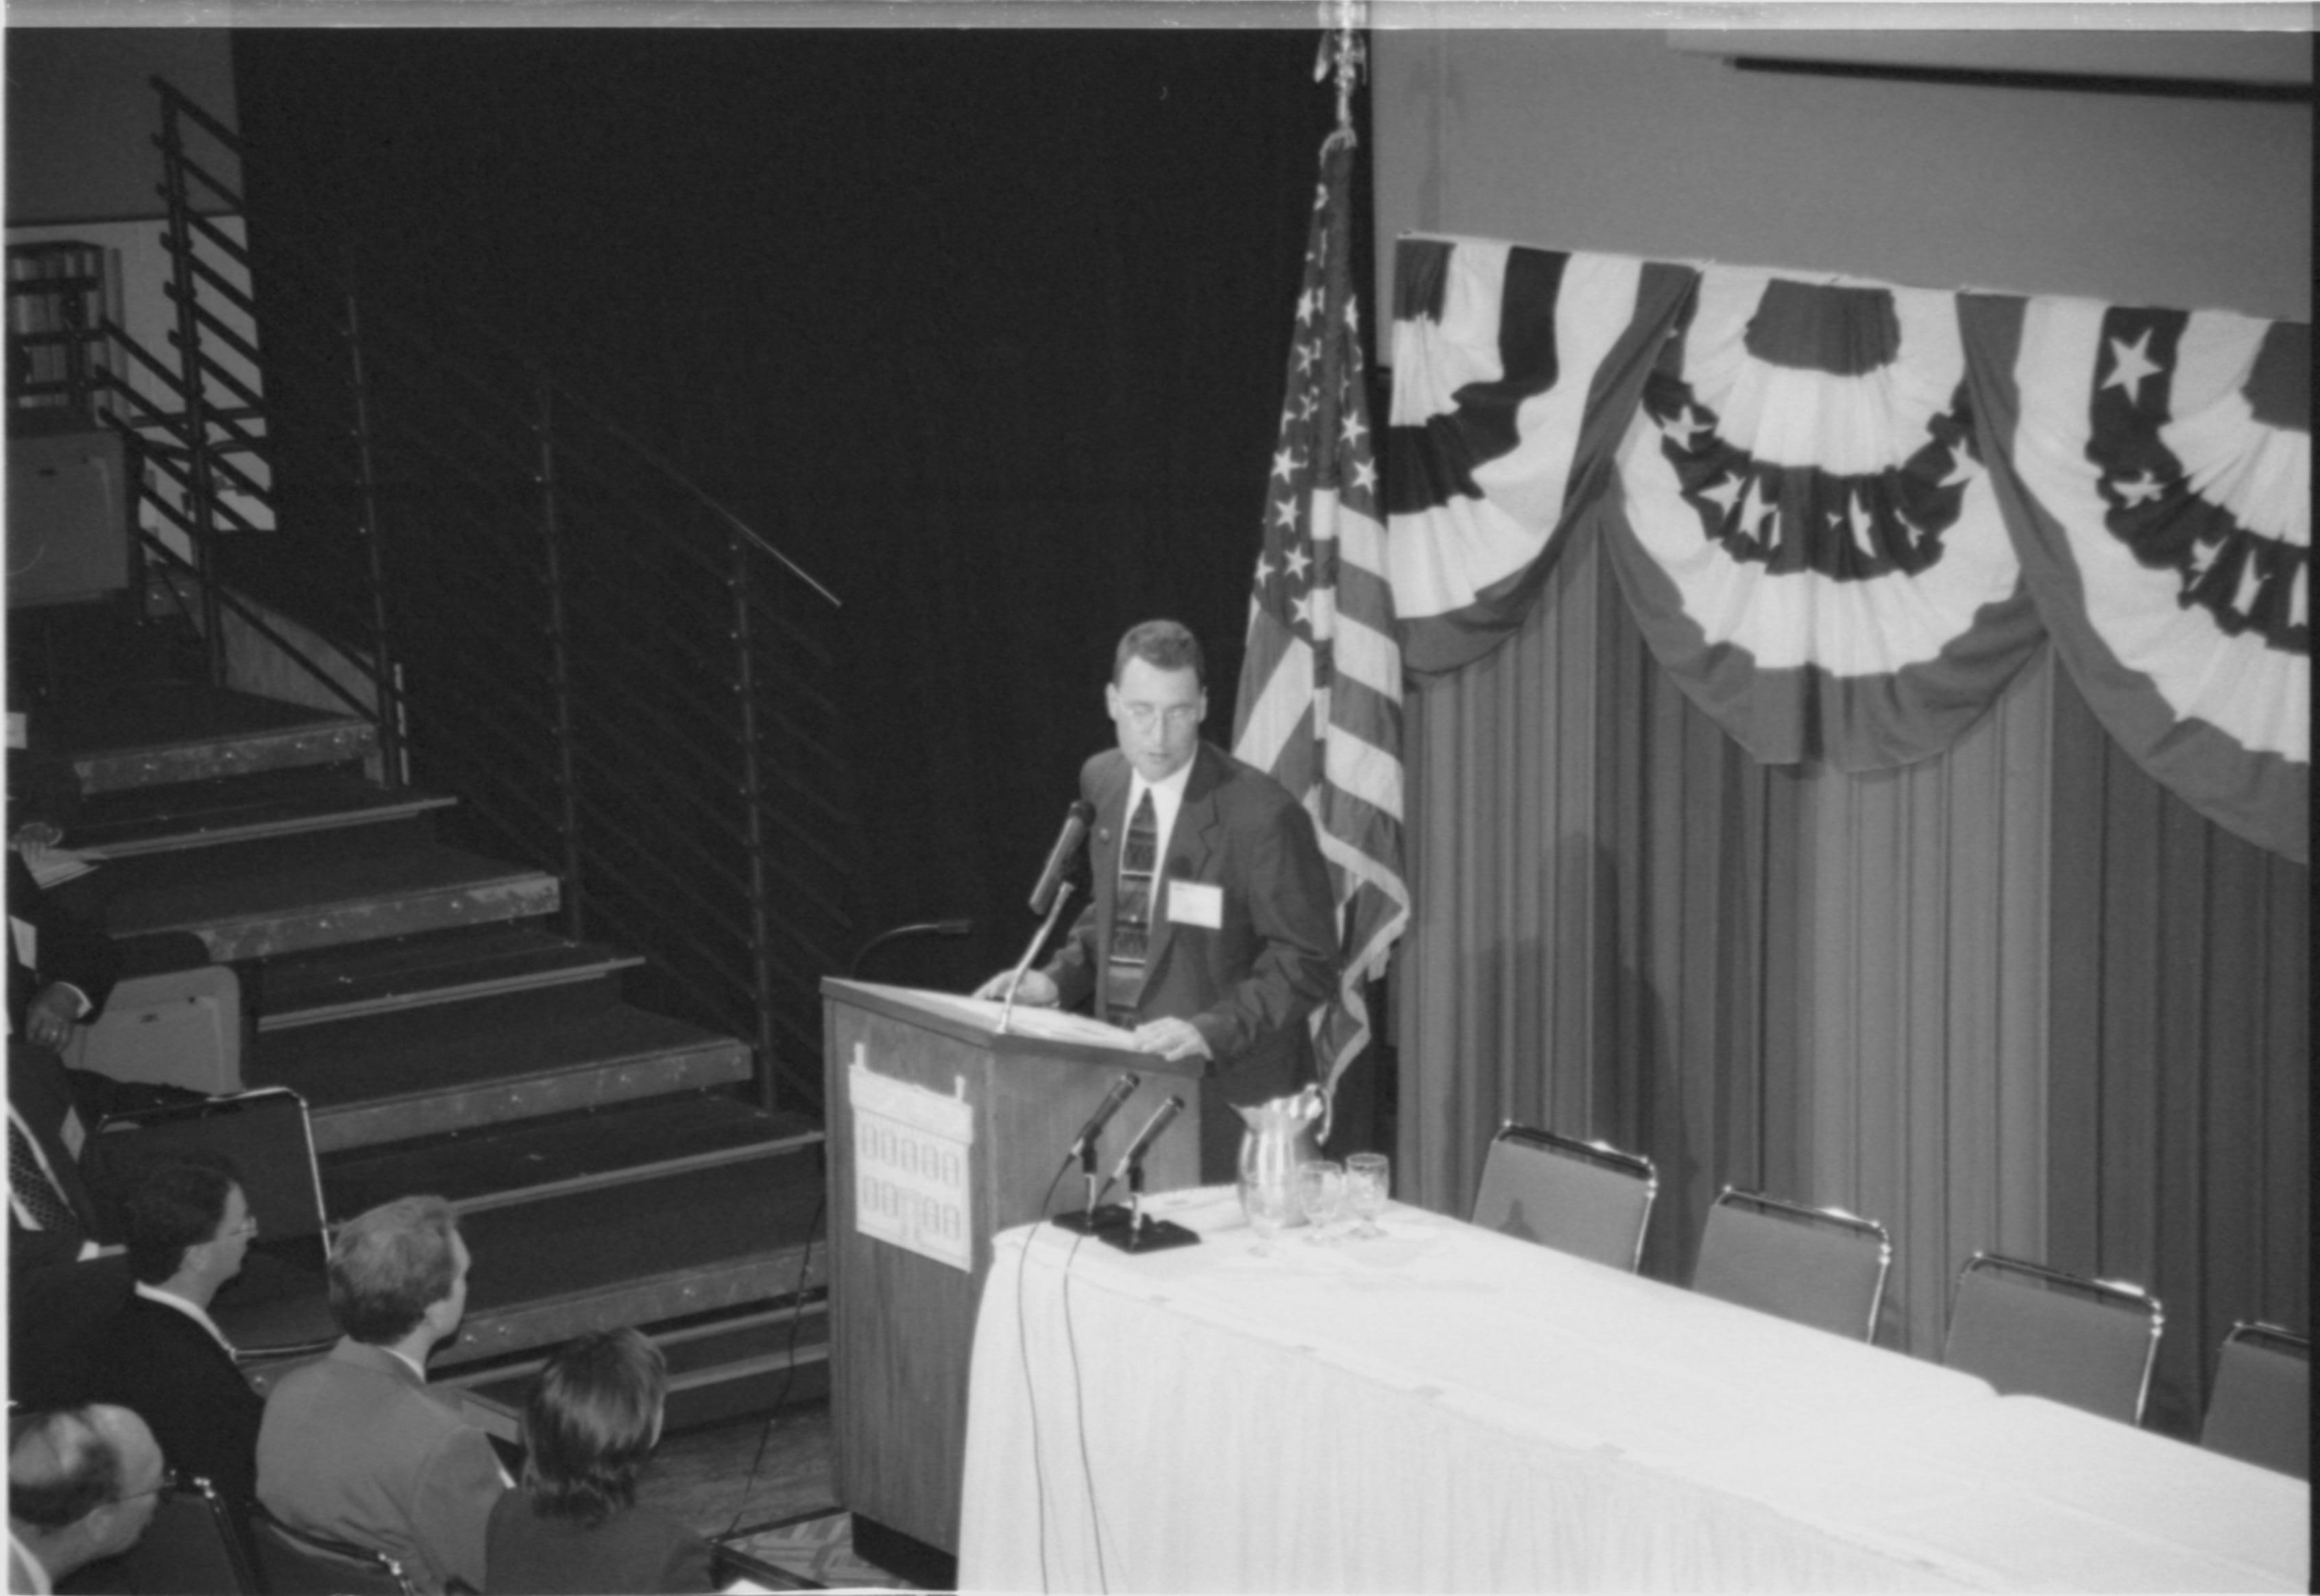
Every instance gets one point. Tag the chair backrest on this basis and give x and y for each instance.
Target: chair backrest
(296, 1564)
(2039, 1331)
(1819, 1266)
(2260, 1409)
(278, 1307)
(1581, 1197)
(265, 1133)
(194, 1545)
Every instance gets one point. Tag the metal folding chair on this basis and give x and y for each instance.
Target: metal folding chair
(1586, 1198)
(2259, 1408)
(194, 1547)
(278, 1307)
(1819, 1266)
(2039, 1331)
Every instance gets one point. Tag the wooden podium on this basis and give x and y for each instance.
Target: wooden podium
(943, 1132)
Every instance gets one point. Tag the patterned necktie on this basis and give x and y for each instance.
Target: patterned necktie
(1131, 915)
(34, 1188)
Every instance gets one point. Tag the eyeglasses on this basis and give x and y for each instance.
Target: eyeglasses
(248, 1227)
(1143, 716)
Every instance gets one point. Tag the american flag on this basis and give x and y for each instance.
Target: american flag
(1321, 684)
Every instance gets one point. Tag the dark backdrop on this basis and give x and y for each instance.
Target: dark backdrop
(985, 329)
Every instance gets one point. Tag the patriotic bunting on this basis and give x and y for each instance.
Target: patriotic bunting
(2160, 468)
(1320, 687)
(1844, 514)
(1807, 540)
(1515, 372)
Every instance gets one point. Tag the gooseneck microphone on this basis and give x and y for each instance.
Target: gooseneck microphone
(1083, 1148)
(1059, 857)
(1131, 1162)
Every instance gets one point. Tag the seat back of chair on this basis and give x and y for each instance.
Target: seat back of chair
(1583, 1197)
(277, 1308)
(194, 1547)
(1819, 1266)
(296, 1564)
(2259, 1409)
(265, 1133)
(2038, 1331)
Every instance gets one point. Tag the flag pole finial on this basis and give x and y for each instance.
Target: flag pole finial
(1343, 53)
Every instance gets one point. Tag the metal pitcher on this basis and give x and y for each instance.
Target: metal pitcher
(1281, 1136)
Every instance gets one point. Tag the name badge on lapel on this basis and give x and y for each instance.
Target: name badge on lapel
(1196, 904)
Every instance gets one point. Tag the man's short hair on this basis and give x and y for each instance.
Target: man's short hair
(591, 1423)
(174, 1204)
(1168, 645)
(62, 1468)
(390, 1264)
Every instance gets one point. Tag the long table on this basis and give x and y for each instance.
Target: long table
(1448, 1408)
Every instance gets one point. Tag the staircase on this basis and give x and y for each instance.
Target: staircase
(533, 911)
(611, 1164)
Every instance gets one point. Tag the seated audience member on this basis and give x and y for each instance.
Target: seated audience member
(354, 1447)
(81, 1485)
(573, 1527)
(188, 1225)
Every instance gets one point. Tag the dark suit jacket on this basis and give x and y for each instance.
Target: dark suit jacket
(69, 949)
(637, 1550)
(354, 1447)
(1248, 984)
(155, 1361)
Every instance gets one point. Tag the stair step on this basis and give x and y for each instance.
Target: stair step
(749, 1360)
(414, 972)
(397, 1077)
(259, 900)
(547, 1271)
(154, 733)
(502, 1164)
(143, 821)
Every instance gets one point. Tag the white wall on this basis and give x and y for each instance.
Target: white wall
(1612, 140)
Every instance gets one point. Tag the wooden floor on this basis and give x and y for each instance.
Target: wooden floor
(765, 1495)
(705, 1476)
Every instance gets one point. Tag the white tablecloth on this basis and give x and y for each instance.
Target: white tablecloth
(1449, 1409)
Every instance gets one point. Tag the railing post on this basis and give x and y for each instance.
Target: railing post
(745, 685)
(385, 681)
(574, 891)
(189, 368)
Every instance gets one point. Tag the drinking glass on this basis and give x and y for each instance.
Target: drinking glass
(1267, 1205)
(1321, 1193)
(1368, 1181)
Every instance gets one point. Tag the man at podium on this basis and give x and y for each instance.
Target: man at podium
(1211, 931)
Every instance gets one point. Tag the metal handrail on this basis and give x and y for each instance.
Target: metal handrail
(458, 480)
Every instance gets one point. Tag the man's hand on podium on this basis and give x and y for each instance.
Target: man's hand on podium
(1172, 1038)
(1037, 989)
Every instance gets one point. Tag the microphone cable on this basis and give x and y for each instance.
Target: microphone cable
(1079, 1410)
(789, 1375)
(1030, 1390)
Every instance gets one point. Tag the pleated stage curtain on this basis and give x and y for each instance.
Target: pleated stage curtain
(1826, 986)
(2178, 1125)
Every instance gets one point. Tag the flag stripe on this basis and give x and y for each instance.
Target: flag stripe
(1320, 691)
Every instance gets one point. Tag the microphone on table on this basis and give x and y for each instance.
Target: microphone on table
(1059, 857)
(1131, 1162)
(1142, 1233)
(1083, 1148)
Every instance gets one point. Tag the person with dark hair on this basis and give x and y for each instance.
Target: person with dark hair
(573, 1527)
(354, 1447)
(188, 1227)
(82, 1484)
(1213, 931)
